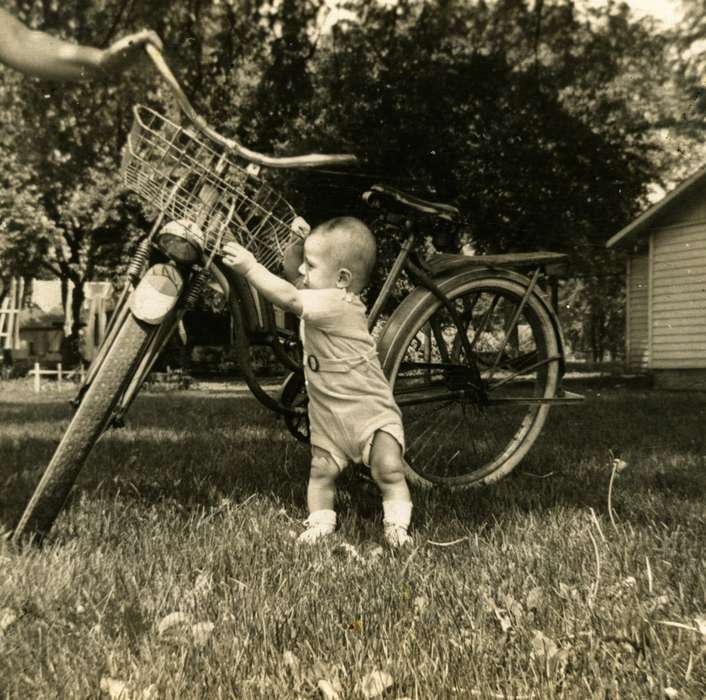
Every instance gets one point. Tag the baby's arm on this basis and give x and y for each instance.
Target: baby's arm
(280, 292)
(293, 257)
(294, 252)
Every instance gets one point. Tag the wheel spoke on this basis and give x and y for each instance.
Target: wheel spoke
(513, 323)
(522, 372)
(485, 321)
(431, 459)
(435, 325)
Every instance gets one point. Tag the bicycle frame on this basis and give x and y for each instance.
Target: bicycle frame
(417, 270)
(254, 318)
(255, 325)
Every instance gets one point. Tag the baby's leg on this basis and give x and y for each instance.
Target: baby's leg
(320, 495)
(387, 467)
(322, 480)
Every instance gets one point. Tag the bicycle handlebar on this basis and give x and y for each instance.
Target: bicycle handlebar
(312, 160)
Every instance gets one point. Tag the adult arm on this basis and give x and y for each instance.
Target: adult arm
(38, 54)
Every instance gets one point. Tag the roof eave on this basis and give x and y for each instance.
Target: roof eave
(647, 217)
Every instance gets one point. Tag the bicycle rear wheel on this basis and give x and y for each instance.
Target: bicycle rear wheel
(460, 433)
(86, 426)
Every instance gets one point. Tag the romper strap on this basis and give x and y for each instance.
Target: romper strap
(338, 364)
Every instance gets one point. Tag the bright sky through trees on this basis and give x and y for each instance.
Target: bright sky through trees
(667, 11)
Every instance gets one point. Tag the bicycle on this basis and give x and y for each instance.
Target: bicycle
(209, 189)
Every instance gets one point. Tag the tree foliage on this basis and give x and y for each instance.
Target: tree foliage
(544, 121)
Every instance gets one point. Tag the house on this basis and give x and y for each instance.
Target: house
(41, 335)
(666, 287)
(44, 323)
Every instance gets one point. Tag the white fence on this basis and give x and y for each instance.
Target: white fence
(60, 373)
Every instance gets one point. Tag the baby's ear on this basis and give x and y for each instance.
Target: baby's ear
(345, 277)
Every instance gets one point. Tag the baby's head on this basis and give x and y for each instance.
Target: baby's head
(339, 253)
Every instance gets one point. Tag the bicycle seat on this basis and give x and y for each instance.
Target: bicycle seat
(379, 193)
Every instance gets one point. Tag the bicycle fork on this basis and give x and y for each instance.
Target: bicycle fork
(160, 299)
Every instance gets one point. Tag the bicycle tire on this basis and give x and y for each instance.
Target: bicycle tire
(84, 429)
(484, 454)
(294, 396)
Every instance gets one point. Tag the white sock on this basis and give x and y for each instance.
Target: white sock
(397, 513)
(322, 518)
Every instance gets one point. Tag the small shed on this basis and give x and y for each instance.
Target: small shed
(41, 334)
(666, 287)
(44, 324)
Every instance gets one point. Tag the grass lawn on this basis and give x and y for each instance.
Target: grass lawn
(173, 573)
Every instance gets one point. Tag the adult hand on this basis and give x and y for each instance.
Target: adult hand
(127, 50)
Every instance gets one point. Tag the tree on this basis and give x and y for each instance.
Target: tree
(534, 118)
(60, 210)
(543, 121)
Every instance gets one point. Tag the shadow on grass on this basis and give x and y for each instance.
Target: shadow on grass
(194, 450)
(187, 449)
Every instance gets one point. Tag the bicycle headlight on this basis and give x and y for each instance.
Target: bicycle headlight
(181, 240)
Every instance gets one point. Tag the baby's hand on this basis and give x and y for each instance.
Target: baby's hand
(294, 250)
(237, 257)
(293, 256)
(300, 228)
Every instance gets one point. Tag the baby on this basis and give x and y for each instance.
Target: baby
(352, 413)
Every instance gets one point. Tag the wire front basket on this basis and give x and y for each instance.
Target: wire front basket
(183, 174)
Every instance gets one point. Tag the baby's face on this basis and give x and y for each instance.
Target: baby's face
(318, 269)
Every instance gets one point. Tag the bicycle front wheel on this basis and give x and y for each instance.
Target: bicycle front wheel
(470, 381)
(86, 426)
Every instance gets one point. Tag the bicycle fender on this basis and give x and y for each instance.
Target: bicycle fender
(157, 293)
(419, 297)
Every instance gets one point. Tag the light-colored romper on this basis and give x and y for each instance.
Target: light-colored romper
(349, 397)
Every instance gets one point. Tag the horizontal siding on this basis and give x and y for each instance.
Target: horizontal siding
(678, 283)
(676, 310)
(679, 297)
(665, 297)
(677, 302)
(679, 342)
(695, 300)
(688, 233)
(670, 355)
(687, 255)
(690, 363)
(694, 242)
(676, 276)
(695, 267)
(680, 325)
